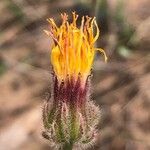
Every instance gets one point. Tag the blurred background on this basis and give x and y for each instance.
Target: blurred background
(121, 87)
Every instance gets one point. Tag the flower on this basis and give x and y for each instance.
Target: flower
(70, 117)
(73, 50)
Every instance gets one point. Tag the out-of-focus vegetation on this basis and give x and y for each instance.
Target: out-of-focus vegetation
(121, 87)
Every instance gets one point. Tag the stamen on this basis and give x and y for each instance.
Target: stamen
(52, 22)
(52, 36)
(102, 51)
(75, 17)
(97, 33)
(64, 17)
(82, 24)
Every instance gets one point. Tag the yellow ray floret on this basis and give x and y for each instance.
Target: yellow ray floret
(73, 50)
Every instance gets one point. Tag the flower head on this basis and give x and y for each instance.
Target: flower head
(70, 117)
(73, 50)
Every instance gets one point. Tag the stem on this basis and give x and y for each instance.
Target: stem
(67, 146)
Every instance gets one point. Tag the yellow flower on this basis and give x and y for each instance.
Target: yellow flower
(73, 50)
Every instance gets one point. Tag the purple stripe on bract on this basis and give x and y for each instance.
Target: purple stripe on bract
(71, 91)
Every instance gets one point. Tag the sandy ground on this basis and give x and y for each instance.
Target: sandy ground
(121, 87)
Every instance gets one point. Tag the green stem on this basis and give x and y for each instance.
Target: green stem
(67, 146)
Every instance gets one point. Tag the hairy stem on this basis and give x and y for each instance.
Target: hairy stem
(67, 146)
